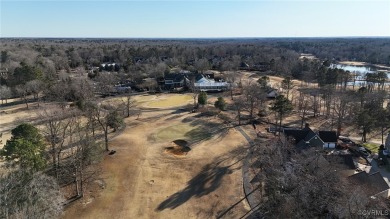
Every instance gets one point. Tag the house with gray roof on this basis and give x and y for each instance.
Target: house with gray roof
(175, 80)
(308, 138)
(372, 184)
(303, 138)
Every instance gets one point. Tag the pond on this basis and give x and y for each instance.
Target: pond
(360, 71)
(354, 68)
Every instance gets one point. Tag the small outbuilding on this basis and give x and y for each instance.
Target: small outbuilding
(329, 138)
(272, 93)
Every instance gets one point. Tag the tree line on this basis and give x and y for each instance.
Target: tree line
(34, 65)
(64, 151)
(370, 50)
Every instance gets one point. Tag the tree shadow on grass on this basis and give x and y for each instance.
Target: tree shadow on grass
(173, 117)
(205, 130)
(208, 180)
(198, 134)
(205, 182)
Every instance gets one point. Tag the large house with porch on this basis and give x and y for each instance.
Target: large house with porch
(207, 83)
(201, 82)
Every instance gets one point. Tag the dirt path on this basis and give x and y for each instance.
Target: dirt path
(144, 182)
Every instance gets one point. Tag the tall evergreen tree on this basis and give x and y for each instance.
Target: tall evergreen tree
(26, 148)
(281, 107)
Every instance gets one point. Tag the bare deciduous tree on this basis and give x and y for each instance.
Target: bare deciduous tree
(296, 185)
(84, 152)
(303, 107)
(106, 82)
(22, 91)
(128, 103)
(340, 108)
(35, 87)
(103, 115)
(202, 65)
(315, 103)
(194, 90)
(231, 78)
(29, 196)
(5, 93)
(239, 105)
(57, 123)
(254, 97)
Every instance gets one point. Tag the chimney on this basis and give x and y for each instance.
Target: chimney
(307, 125)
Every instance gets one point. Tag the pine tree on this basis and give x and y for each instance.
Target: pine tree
(26, 148)
(281, 107)
(202, 98)
(220, 104)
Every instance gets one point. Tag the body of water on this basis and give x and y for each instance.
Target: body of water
(360, 71)
(364, 69)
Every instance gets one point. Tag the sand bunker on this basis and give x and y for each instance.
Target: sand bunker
(179, 148)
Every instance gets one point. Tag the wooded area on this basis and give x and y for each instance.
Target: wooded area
(69, 80)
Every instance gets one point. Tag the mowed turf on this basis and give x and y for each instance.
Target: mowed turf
(182, 131)
(136, 99)
(170, 101)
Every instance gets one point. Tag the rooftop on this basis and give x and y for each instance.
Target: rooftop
(371, 183)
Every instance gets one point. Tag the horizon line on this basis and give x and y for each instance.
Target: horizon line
(169, 38)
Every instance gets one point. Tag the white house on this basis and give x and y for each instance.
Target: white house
(207, 84)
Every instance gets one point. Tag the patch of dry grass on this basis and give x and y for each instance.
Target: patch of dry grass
(171, 101)
(353, 63)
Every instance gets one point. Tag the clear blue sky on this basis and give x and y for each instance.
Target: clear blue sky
(261, 18)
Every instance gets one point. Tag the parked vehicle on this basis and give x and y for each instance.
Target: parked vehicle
(386, 153)
(344, 142)
(363, 151)
(382, 149)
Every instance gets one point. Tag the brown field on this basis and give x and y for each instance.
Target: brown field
(143, 181)
(353, 63)
(12, 116)
(151, 175)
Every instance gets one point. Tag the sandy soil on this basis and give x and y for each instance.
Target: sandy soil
(144, 182)
(12, 116)
(307, 56)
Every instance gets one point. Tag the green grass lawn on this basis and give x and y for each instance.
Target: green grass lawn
(372, 147)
